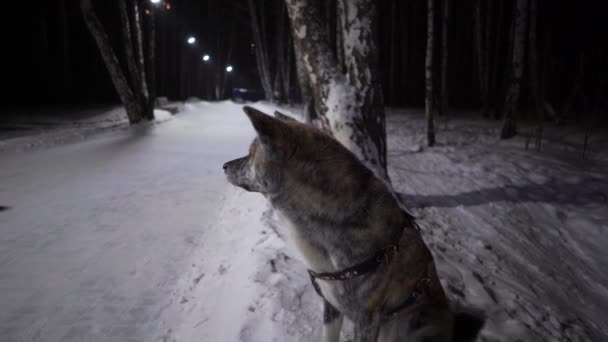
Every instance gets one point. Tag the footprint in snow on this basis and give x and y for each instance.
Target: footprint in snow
(222, 269)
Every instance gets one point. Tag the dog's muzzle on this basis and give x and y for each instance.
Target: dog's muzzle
(234, 163)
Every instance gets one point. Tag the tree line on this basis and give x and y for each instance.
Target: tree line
(346, 60)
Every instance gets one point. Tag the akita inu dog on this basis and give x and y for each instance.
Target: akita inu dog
(365, 256)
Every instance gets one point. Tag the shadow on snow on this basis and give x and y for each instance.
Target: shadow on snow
(587, 191)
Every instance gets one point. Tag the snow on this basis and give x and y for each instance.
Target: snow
(519, 235)
(134, 234)
(31, 129)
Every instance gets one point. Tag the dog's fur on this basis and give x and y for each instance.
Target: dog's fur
(339, 214)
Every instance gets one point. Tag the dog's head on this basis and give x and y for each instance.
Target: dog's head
(262, 169)
(287, 153)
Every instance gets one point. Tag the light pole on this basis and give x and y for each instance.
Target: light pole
(206, 58)
(191, 40)
(229, 69)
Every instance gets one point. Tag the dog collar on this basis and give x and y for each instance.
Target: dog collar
(384, 256)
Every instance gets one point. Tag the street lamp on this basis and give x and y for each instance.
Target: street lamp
(229, 68)
(155, 1)
(191, 40)
(206, 58)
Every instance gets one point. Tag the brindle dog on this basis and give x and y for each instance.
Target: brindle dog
(338, 215)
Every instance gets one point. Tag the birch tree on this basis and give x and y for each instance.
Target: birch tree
(482, 27)
(445, 18)
(110, 60)
(430, 38)
(261, 54)
(150, 62)
(533, 70)
(350, 104)
(520, 22)
(132, 90)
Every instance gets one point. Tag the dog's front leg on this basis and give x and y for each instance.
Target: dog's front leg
(367, 327)
(332, 323)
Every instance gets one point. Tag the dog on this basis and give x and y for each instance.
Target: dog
(365, 255)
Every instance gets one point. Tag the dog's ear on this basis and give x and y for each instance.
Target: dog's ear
(283, 117)
(269, 129)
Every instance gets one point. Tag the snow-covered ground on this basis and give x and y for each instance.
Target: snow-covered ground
(29, 129)
(134, 235)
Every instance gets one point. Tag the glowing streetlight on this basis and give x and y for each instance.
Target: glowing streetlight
(206, 58)
(191, 40)
(229, 68)
(155, 1)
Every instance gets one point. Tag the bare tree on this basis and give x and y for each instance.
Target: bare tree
(111, 62)
(533, 71)
(141, 89)
(284, 46)
(445, 19)
(261, 53)
(350, 105)
(520, 22)
(150, 61)
(390, 93)
(482, 27)
(65, 57)
(430, 37)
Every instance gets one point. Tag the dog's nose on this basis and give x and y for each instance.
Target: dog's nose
(225, 166)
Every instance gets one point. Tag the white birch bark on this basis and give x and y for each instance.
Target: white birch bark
(350, 106)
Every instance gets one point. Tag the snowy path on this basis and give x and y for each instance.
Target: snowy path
(98, 235)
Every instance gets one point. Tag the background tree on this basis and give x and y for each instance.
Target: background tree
(134, 92)
(429, 93)
(261, 52)
(520, 23)
(536, 93)
(349, 105)
(445, 19)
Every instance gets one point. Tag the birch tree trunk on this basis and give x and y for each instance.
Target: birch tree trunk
(65, 31)
(533, 69)
(141, 90)
(520, 21)
(390, 92)
(481, 52)
(261, 55)
(494, 91)
(110, 60)
(444, 58)
(350, 106)
(278, 86)
(287, 66)
(430, 37)
(127, 41)
(150, 61)
(339, 36)
(308, 110)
